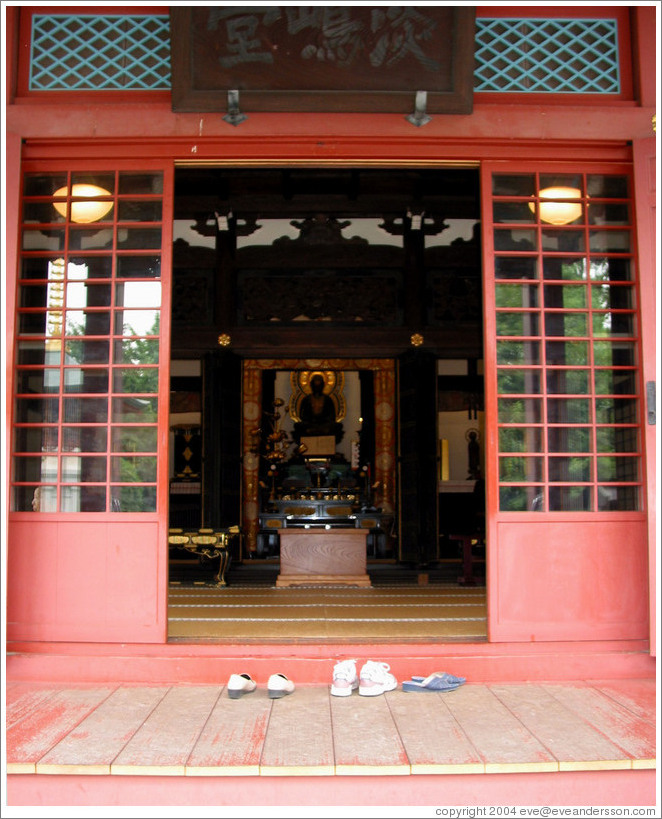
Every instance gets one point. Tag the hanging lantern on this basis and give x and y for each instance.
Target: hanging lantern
(85, 207)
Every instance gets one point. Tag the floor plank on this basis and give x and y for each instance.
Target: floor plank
(299, 740)
(164, 741)
(93, 745)
(638, 696)
(633, 735)
(231, 742)
(504, 743)
(365, 737)
(432, 737)
(571, 739)
(39, 716)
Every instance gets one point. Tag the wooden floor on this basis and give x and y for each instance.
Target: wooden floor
(384, 613)
(193, 730)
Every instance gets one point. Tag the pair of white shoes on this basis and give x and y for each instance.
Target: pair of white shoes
(374, 679)
(278, 686)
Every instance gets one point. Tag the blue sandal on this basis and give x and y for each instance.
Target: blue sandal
(437, 681)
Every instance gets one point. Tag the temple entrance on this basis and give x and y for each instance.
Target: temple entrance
(325, 373)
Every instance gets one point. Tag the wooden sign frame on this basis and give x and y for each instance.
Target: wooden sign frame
(358, 59)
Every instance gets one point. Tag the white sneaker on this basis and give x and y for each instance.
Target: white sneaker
(239, 684)
(279, 685)
(344, 678)
(376, 679)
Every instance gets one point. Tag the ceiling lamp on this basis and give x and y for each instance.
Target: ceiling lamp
(84, 210)
(555, 212)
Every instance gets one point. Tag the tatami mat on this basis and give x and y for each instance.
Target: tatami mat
(402, 612)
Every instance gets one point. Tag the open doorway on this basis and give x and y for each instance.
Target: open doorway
(334, 269)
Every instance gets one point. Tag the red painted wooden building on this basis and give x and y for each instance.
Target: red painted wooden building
(102, 308)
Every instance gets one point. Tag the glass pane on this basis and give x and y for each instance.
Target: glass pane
(509, 212)
(138, 294)
(614, 354)
(43, 240)
(620, 498)
(520, 439)
(563, 241)
(609, 241)
(617, 439)
(35, 499)
(89, 267)
(566, 353)
(84, 439)
(520, 410)
(566, 324)
(604, 296)
(34, 296)
(515, 240)
(606, 213)
(85, 410)
(134, 499)
(561, 180)
(568, 382)
(83, 469)
(86, 379)
(517, 324)
(512, 470)
(516, 295)
(87, 352)
(35, 469)
(567, 269)
(569, 439)
(615, 382)
(41, 213)
(43, 184)
(570, 499)
(136, 380)
(570, 296)
(140, 210)
(137, 322)
(37, 381)
(83, 499)
(138, 238)
(36, 410)
(134, 439)
(88, 294)
(32, 324)
(612, 187)
(38, 353)
(133, 470)
(518, 381)
(611, 270)
(570, 469)
(35, 439)
(143, 410)
(138, 351)
(518, 352)
(143, 267)
(141, 183)
(516, 267)
(521, 499)
(613, 324)
(513, 184)
(38, 267)
(618, 469)
(83, 323)
(616, 410)
(90, 239)
(102, 179)
(568, 410)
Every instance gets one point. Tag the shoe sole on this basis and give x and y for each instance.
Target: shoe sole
(375, 691)
(343, 692)
(276, 695)
(235, 693)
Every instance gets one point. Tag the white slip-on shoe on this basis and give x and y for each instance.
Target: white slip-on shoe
(239, 684)
(345, 678)
(375, 678)
(279, 686)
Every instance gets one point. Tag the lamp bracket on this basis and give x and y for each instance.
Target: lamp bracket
(234, 115)
(419, 117)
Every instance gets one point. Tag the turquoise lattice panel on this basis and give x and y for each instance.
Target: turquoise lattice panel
(555, 56)
(100, 53)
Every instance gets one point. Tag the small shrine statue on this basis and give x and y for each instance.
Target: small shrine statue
(473, 448)
(317, 412)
